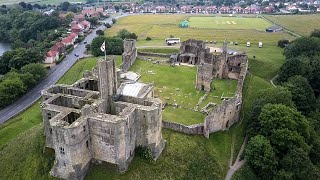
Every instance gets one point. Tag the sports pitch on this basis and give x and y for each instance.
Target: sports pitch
(228, 23)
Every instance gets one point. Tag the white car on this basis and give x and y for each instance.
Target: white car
(248, 44)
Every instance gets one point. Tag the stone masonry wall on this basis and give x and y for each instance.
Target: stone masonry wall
(129, 55)
(191, 129)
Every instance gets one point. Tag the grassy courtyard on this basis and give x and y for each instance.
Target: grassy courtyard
(300, 24)
(159, 27)
(228, 23)
(176, 85)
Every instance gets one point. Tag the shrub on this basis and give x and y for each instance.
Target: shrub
(148, 38)
(283, 43)
(107, 25)
(144, 153)
(100, 32)
(114, 20)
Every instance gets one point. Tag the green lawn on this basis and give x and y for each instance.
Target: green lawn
(228, 23)
(300, 24)
(160, 50)
(176, 85)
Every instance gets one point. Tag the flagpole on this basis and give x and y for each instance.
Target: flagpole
(105, 51)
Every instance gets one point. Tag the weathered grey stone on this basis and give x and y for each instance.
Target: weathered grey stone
(92, 121)
(129, 55)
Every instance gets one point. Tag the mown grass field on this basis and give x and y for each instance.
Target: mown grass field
(228, 23)
(159, 27)
(300, 24)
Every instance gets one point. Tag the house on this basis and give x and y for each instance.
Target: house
(160, 9)
(78, 17)
(268, 9)
(51, 57)
(59, 47)
(76, 28)
(99, 10)
(211, 9)
(224, 9)
(185, 9)
(86, 25)
(238, 9)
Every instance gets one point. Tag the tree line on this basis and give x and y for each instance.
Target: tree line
(284, 127)
(114, 45)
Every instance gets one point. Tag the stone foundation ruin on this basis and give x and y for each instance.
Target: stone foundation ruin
(100, 120)
(209, 67)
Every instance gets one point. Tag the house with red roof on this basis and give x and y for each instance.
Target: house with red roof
(238, 9)
(224, 9)
(76, 28)
(78, 17)
(59, 47)
(211, 9)
(51, 57)
(85, 24)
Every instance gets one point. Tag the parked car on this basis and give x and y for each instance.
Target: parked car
(77, 55)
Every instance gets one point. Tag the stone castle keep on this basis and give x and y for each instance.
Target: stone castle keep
(100, 119)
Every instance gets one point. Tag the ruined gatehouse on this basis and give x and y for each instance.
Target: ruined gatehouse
(99, 119)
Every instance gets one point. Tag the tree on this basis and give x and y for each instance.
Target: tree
(278, 95)
(107, 25)
(261, 157)
(298, 163)
(23, 4)
(93, 21)
(29, 6)
(284, 126)
(295, 66)
(304, 46)
(100, 32)
(302, 94)
(73, 8)
(114, 46)
(315, 33)
(283, 42)
(65, 6)
(37, 70)
(114, 20)
(69, 16)
(10, 89)
(125, 34)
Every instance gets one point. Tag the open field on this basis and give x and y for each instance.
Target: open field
(228, 23)
(300, 24)
(159, 27)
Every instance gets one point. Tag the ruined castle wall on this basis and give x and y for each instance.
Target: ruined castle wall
(46, 116)
(192, 129)
(204, 77)
(103, 139)
(153, 54)
(228, 113)
(148, 128)
(129, 55)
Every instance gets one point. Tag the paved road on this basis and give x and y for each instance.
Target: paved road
(54, 75)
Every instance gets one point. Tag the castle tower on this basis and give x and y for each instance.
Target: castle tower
(107, 80)
(223, 65)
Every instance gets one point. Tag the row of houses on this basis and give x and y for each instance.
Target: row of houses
(59, 48)
(253, 9)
